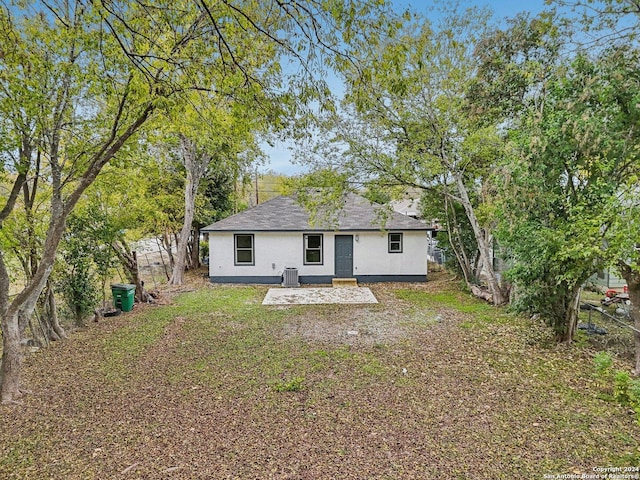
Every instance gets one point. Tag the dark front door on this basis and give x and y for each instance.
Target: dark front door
(344, 256)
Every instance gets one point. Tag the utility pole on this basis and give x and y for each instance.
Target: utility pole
(257, 199)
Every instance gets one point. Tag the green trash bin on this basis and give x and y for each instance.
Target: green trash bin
(123, 296)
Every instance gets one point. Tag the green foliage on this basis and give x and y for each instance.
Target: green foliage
(603, 364)
(405, 123)
(564, 192)
(622, 382)
(607, 22)
(626, 390)
(204, 250)
(95, 227)
(77, 275)
(461, 242)
(82, 83)
(565, 207)
(377, 196)
(633, 393)
(293, 385)
(322, 194)
(79, 287)
(513, 66)
(215, 200)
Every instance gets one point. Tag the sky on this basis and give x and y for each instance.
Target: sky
(280, 155)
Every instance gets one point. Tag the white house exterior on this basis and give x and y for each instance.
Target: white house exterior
(255, 246)
(607, 279)
(409, 207)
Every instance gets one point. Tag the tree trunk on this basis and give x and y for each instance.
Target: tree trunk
(38, 331)
(195, 248)
(13, 317)
(57, 332)
(634, 296)
(164, 264)
(167, 242)
(129, 260)
(21, 308)
(195, 165)
(632, 277)
(571, 318)
(483, 246)
(12, 358)
(480, 293)
(458, 250)
(141, 294)
(177, 275)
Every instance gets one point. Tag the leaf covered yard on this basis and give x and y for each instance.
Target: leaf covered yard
(427, 384)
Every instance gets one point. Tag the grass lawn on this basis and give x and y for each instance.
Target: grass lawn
(429, 383)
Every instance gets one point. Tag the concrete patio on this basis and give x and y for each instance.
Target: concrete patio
(316, 296)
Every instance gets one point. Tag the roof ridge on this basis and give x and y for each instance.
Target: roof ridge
(285, 213)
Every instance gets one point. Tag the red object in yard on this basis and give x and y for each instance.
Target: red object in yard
(610, 293)
(625, 289)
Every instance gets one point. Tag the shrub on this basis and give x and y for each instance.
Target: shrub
(79, 287)
(603, 363)
(633, 394)
(621, 387)
(625, 390)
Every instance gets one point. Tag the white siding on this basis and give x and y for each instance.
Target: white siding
(274, 251)
(371, 254)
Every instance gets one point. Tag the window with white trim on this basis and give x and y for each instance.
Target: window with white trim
(244, 249)
(395, 243)
(312, 249)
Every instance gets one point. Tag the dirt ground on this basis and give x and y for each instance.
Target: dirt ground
(210, 384)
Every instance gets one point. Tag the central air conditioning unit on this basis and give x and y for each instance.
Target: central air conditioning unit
(290, 277)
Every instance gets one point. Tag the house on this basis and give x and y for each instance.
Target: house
(257, 245)
(408, 206)
(607, 280)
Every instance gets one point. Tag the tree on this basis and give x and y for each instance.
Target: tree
(571, 117)
(563, 198)
(605, 22)
(616, 22)
(215, 138)
(103, 225)
(93, 75)
(48, 72)
(406, 122)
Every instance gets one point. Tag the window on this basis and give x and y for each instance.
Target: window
(395, 243)
(312, 249)
(244, 249)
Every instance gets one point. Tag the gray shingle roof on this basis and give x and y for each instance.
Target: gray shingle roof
(286, 214)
